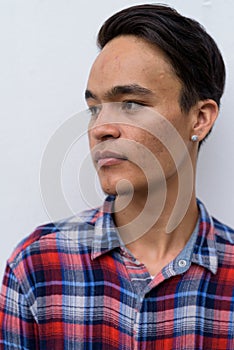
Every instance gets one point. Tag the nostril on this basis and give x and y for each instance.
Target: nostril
(107, 137)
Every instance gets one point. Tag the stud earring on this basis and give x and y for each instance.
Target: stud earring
(194, 138)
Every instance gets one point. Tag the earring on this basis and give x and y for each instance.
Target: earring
(194, 138)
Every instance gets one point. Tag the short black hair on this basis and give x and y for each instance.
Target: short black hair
(192, 52)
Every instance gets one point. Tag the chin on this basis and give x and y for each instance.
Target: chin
(108, 188)
(118, 184)
(120, 187)
(109, 191)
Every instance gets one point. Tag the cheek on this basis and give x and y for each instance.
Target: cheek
(147, 151)
(90, 140)
(153, 154)
(148, 141)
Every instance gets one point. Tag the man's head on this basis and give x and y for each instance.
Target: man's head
(143, 81)
(192, 52)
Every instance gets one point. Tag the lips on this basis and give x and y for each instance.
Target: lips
(108, 158)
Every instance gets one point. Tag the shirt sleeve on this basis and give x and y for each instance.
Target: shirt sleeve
(18, 326)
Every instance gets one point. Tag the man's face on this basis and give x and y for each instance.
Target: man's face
(130, 84)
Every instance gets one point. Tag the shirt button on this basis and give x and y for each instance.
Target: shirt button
(182, 263)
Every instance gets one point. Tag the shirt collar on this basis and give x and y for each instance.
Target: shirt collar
(106, 236)
(205, 253)
(202, 250)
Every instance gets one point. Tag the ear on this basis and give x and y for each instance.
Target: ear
(206, 114)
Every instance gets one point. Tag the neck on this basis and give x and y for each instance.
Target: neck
(154, 221)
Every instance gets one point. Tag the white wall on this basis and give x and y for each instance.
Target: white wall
(47, 47)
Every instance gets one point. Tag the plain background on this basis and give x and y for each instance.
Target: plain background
(47, 48)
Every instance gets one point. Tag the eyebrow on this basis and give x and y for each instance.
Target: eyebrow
(132, 89)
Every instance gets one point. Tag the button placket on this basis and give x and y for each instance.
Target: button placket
(136, 327)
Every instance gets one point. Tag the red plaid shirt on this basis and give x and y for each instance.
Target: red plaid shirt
(72, 286)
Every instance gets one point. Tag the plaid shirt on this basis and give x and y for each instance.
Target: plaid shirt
(74, 286)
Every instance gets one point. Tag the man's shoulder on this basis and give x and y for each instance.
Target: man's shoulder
(46, 236)
(223, 232)
(210, 224)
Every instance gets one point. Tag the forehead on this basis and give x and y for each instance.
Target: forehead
(126, 46)
(129, 60)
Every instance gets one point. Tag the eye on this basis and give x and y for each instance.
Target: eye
(94, 110)
(131, 106)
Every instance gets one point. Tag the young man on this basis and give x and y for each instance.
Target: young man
(151, 269)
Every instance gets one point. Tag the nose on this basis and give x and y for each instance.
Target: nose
(105, 125)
